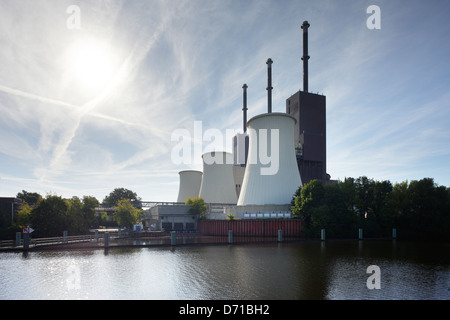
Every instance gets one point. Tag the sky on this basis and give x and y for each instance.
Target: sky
(93, 92)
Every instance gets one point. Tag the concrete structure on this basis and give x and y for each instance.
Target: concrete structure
(240, 153)
(238, 175)
(171, 217)
(270, 179)
(190, 183)
(218, 184)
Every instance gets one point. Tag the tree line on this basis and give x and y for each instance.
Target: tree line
(417, 209)
(52, 215)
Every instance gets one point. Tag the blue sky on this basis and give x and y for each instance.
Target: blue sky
(76, 127)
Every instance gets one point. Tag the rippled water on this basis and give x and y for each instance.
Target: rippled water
(305, 270)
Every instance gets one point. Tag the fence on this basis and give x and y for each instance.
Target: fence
(250, 228)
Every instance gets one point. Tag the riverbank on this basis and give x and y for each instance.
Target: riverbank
(168, 241)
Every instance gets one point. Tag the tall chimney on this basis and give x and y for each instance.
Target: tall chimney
(269, 85)
(305, 57)
(245, 107)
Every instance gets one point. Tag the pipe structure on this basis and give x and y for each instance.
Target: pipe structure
(305, 57)
(244, 108)
(269, 85)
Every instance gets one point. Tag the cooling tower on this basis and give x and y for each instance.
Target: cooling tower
(218, 182)
(190, 182)
(272, 175)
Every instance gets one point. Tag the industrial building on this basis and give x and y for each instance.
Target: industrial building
(310, 132)
(9, 207)
(274, 155)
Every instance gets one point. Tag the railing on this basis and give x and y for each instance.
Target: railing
(36, 242)
(61, 240)
(7, 243)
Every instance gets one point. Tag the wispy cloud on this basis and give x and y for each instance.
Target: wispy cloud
(185, 62)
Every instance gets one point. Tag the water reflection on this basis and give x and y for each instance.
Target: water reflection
(306, 270)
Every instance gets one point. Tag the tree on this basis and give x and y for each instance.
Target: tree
(305, 205)
(126, 214)
(120, 194)
(32, 198)
(197, 207)
(310, 196)
(24, 216)
(89, 205)
(418, 209)
(49, 217)
(296, 194)
(74, 216)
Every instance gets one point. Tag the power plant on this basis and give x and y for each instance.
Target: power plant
(270, 180)
(190, 183)
(272, 157)
(218, 184)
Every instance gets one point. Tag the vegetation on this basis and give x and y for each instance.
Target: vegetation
(52, 215)
(120, 194)
(31, 198)
(126, 214)
(197, 207)
(418, 209)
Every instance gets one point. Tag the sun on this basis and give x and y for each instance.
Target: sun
(91, 64)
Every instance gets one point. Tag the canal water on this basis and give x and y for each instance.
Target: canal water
(303, 270)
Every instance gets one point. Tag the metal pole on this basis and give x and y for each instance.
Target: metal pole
(26, 241)
(305, 57)
(244, 108)
(230, 236)
(18, 238)
(280, 235)
(269, 85)
(106, 240)
(173, 238)
(322, 234)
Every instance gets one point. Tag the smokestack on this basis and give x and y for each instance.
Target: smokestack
(245, 107)
(269, 85)
(305, 57)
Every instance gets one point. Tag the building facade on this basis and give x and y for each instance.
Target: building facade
(309, 110)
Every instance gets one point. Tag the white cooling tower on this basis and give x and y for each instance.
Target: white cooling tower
(190, 182)
(272, 175)
(218, 182)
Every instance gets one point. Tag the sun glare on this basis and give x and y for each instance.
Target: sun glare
(91, 64)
